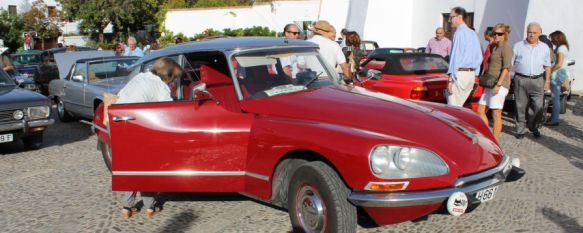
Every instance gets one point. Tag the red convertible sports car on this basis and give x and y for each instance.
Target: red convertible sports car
(305, 142)
(418, 76)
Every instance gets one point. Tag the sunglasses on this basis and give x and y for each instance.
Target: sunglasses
(295, 33)
(498, 33)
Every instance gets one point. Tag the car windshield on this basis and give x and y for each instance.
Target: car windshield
(26, 59)
(421, 63)
(5, 80)
(264, 74)
(99, 70)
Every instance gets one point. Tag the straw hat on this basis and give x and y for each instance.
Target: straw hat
(322, 27)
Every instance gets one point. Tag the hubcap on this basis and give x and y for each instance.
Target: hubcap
(310, 209)
(61, 108)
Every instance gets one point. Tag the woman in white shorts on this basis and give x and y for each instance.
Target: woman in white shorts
(499, 65)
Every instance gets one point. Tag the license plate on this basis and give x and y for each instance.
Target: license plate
(6, 138)
(486, 194)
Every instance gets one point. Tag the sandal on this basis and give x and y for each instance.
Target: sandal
(126, 213)
(150, 213)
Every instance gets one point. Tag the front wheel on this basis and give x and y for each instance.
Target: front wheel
(318, 201)
(64, 116)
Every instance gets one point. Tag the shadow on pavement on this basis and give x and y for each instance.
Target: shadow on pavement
(180, 222)
(568, 224)
(570, 152)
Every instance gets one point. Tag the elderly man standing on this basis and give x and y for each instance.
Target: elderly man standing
(531, 61)
(290, 63)
(439, 44)
(329, 49)
(465, 59)
(132, 48)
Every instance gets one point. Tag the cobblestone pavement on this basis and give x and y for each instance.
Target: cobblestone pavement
(64, 187)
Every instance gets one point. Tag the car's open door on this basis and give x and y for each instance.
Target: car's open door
(178, 147)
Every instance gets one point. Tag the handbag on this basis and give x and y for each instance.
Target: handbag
(566, 86)
(488, 80)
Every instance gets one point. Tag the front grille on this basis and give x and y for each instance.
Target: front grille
(6, 116)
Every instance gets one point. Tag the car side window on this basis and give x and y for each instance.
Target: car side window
(80, 69)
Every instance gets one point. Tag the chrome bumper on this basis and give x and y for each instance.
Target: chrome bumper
(25, 125)
(468, 185)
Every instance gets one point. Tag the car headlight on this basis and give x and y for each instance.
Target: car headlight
(399, 162)
(18, 115)
(38, 112)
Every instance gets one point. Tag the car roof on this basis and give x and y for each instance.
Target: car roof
(106, 58)
(227, 44)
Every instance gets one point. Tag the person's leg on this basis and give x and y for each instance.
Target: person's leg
(497, 119)
(128, 202)
(482, 109)
(536, 95)
(149, 199)
(520, 104)
(556, 96)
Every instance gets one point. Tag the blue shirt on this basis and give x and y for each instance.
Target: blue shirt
(529, 60)
(137, 52)
(465, 52)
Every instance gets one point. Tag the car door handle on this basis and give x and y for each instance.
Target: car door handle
(125, 118)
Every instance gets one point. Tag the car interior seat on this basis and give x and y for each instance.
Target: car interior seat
(220, 86)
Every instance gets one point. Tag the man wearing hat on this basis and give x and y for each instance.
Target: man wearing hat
(5, 62)
(329, 49)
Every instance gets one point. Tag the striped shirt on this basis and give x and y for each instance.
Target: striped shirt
(528, 60)
(441, 47)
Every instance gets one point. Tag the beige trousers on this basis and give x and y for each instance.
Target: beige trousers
(461, 88)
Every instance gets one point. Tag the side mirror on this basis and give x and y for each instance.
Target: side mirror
(373, 74)
(78, 78)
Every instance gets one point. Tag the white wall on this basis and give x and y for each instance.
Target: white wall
(335, 12)
(23, 6)
(274, 16)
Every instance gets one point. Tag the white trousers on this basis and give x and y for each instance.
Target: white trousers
(461, 88)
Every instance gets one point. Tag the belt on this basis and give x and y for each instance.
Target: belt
(466, 69)
(530, 76)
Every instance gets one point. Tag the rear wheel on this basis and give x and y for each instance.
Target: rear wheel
(318, 200)
(64, 116)
(33, 142)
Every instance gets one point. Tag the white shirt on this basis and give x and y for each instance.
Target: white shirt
(329, 50)
(144, 87)
(529, 60)
(292, 62)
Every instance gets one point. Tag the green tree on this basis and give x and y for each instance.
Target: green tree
(37, 20)
(94, 15)
(12, 28)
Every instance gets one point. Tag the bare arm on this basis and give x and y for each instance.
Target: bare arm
(346, 71)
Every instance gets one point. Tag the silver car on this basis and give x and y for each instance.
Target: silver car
(79, 93)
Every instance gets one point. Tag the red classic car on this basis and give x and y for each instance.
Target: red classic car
(305, 142)
(418, 76)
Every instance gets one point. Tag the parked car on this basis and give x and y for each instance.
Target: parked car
(307, 143)
(24, 115)
(80, 92)
(26, 62)
(418, 76)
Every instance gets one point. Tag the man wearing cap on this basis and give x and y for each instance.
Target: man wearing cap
(329, 49)
(465, 59)
(5, 62)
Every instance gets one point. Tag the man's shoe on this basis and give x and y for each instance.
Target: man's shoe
(548, 123)
(536, 133)
(519, 136)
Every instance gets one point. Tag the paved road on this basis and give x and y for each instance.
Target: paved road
(64, 187)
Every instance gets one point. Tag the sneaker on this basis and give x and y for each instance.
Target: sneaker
(536, 133)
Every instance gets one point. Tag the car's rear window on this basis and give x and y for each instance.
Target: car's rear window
(428, 64)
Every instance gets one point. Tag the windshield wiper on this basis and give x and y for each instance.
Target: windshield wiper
(314, 79)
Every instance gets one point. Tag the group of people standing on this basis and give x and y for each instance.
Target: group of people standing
(537, 69)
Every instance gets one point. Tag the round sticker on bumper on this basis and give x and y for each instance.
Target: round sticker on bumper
(457, 203)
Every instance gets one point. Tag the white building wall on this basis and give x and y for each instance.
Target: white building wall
(23, 6)
(335, 12)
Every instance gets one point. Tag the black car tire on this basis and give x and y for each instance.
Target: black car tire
(318, 200)
(33, 142)
(64, 116)
(106, 154)
(563, 104)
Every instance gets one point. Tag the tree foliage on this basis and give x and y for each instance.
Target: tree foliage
(37, 20)
(12, 27)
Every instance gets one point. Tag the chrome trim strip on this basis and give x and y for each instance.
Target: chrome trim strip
(190, 173)
(178, 173)
(21, 125)
(101, 128)
(415, 198)
(37, 123)
(257, 176)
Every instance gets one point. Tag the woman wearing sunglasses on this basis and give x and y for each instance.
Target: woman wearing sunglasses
(499, 65)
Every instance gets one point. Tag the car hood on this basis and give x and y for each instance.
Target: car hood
(12, 97)
(112, 85)
(460, 143)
